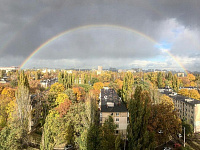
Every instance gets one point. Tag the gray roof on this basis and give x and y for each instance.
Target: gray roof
(109, 95)
(184, 99)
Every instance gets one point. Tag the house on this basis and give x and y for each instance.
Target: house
(188, 108)
(111, 105)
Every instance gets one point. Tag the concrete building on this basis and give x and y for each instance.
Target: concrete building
(7, 69)
(112, 105)
(100, 69)
(180, 74)
(188, 108)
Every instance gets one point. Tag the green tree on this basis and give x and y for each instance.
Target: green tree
(93, 81)
(24, 112)
(139, 111)
(107, 135)
(175, 83)
(160, 80)
(127, 86)
(23, 80)
(118, 142)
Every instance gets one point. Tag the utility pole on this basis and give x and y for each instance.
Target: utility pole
(184, 136)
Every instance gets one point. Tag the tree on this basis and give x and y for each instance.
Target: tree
(98, 86)
(194, 94)
(63, 107)
(93, 138)
(107, 135)
(23, 80)
(94, 80)
(139, 111)
(79, 93)
(175, 83)
(127, 87)
(164, 118)
(184, 92)
(57, 88)
(160, 80)
(118, 142)
(188, 128)
(24, 112)
(61, 98)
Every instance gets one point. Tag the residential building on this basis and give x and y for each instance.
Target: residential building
(180, 74)
(188, 108)
(7, 69)
(112, 105)
(100, 69)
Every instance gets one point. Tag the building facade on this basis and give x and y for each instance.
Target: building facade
(188, 108)
(112, 105)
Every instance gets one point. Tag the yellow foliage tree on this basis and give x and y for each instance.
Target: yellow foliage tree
(11, 110)
(57, 88)
(119, 83)
(79, 93)
(61, 98)
(98, 85)
(166, 100)
(8, 92)
(194, 94)
(183, 92)
(191, 77)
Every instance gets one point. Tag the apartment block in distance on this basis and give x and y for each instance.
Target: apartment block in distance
(111, 105)
(188, 108)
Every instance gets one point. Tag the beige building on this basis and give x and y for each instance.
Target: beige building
(111, 105)
(100, 69)
(189, 109)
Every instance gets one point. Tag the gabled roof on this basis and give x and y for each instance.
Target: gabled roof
(110, 101)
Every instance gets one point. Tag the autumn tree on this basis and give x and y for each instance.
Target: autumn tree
(184, 92)
(57, 88)
(127, 86)
(160, 80)
(93, 138)
(164, 120)
(66, 79)
(175, 83)
(107, 135)
(139, 111)
(24, 112)
(23, 79)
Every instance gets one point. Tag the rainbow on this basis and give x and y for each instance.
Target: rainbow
(98, 26)
(174, 58)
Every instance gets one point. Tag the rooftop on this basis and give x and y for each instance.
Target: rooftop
(184, 99)
(111, 102)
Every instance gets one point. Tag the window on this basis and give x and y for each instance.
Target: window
(117, 125)
(100, 118)
(117, 131)
(117, 119)
(117, 114)
(111, 114)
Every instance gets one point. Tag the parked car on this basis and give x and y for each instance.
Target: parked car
(167, 148)
(177, 145)
(179, 135)
(68, 147)
(160, 131)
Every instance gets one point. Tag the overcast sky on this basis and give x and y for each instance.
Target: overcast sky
(122, 34)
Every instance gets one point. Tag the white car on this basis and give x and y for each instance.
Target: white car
(167, 148)
(179, 135)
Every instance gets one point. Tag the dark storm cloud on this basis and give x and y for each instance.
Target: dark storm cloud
(25, 25)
